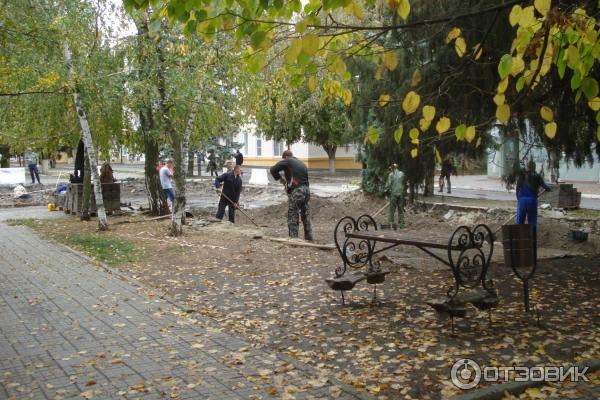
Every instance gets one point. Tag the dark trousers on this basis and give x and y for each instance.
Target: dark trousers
(33, 171)
(221, 209)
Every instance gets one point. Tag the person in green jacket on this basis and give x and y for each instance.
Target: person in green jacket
(395, 187)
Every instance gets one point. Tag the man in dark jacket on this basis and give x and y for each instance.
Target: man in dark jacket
(447, 170)
(296, 185)
(230, 195)
(239, 158)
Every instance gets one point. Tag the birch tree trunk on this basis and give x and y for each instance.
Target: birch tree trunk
(87, 141)
(87, 190)
(181, 146)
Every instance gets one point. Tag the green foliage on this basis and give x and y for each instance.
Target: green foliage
(102, 248)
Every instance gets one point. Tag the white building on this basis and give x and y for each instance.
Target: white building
(502, 159)
(260, 152)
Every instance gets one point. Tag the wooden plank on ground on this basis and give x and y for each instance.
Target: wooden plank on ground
(300, 242)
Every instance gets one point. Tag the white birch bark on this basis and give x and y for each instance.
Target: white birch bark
(180, 196)
(87, 141)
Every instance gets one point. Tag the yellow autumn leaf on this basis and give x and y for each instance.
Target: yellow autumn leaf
(311, 44)
(415, 142)
(460, 46)
(550, 129)
(429, 113)
(453, 34)
(518, 65)
(478, 142)
(312, 83)
(413, 133)
(499, 99)
(502, 85)
(535, 393)
(515, 15)
(438, 157)
(503, 113)
(338, 66)
(547, 114)
(470, 135)
(390, 61)
(416, 78)
(543, 6)
(598, 133)
(393, 4)
(442, 125)
(424, 124)
(414, 152)
(404, 9)
(527, 18)
(411, 102)
(384, 99)
(347, 97)
(594, 103)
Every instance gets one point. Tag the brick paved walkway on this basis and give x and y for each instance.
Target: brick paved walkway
(70, 330)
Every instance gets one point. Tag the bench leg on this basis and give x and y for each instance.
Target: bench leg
(490, 317)
(374, 293)
(343, 300)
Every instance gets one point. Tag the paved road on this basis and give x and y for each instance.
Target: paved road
(463, 186)
(69, 329)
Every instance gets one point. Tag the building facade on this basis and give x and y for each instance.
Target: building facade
(501, 160)
(261, 152)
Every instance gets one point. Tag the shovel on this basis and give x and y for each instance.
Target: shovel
(238, 208)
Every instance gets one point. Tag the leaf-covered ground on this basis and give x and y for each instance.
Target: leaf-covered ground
(275, 295)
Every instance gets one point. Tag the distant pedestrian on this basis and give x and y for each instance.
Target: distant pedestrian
(395, 186)
(166, 181)
(239, 158)
(296, 180)
(447, 170)
(230, 195)
(529, 183)
(32, 163)
(212, 163)
(201, 156)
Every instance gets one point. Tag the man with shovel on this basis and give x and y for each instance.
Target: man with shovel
(296, 186)
(231, 183)
(529, 183)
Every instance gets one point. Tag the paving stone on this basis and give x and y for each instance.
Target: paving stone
(66, 323)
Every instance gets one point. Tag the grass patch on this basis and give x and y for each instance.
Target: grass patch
(108, 250)
(28, 222)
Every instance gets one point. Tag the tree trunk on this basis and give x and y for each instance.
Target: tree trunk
(190, 163)
(87, 190)
(181, 146)
(5, 157)
(331, 150)
(87, 140)
(157, 202)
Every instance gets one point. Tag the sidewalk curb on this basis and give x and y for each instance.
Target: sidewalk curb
(496, 392)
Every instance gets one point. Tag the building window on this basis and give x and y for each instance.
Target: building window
(258, 147)
(277, 147)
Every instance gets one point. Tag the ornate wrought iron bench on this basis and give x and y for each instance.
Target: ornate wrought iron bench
(467, 252)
